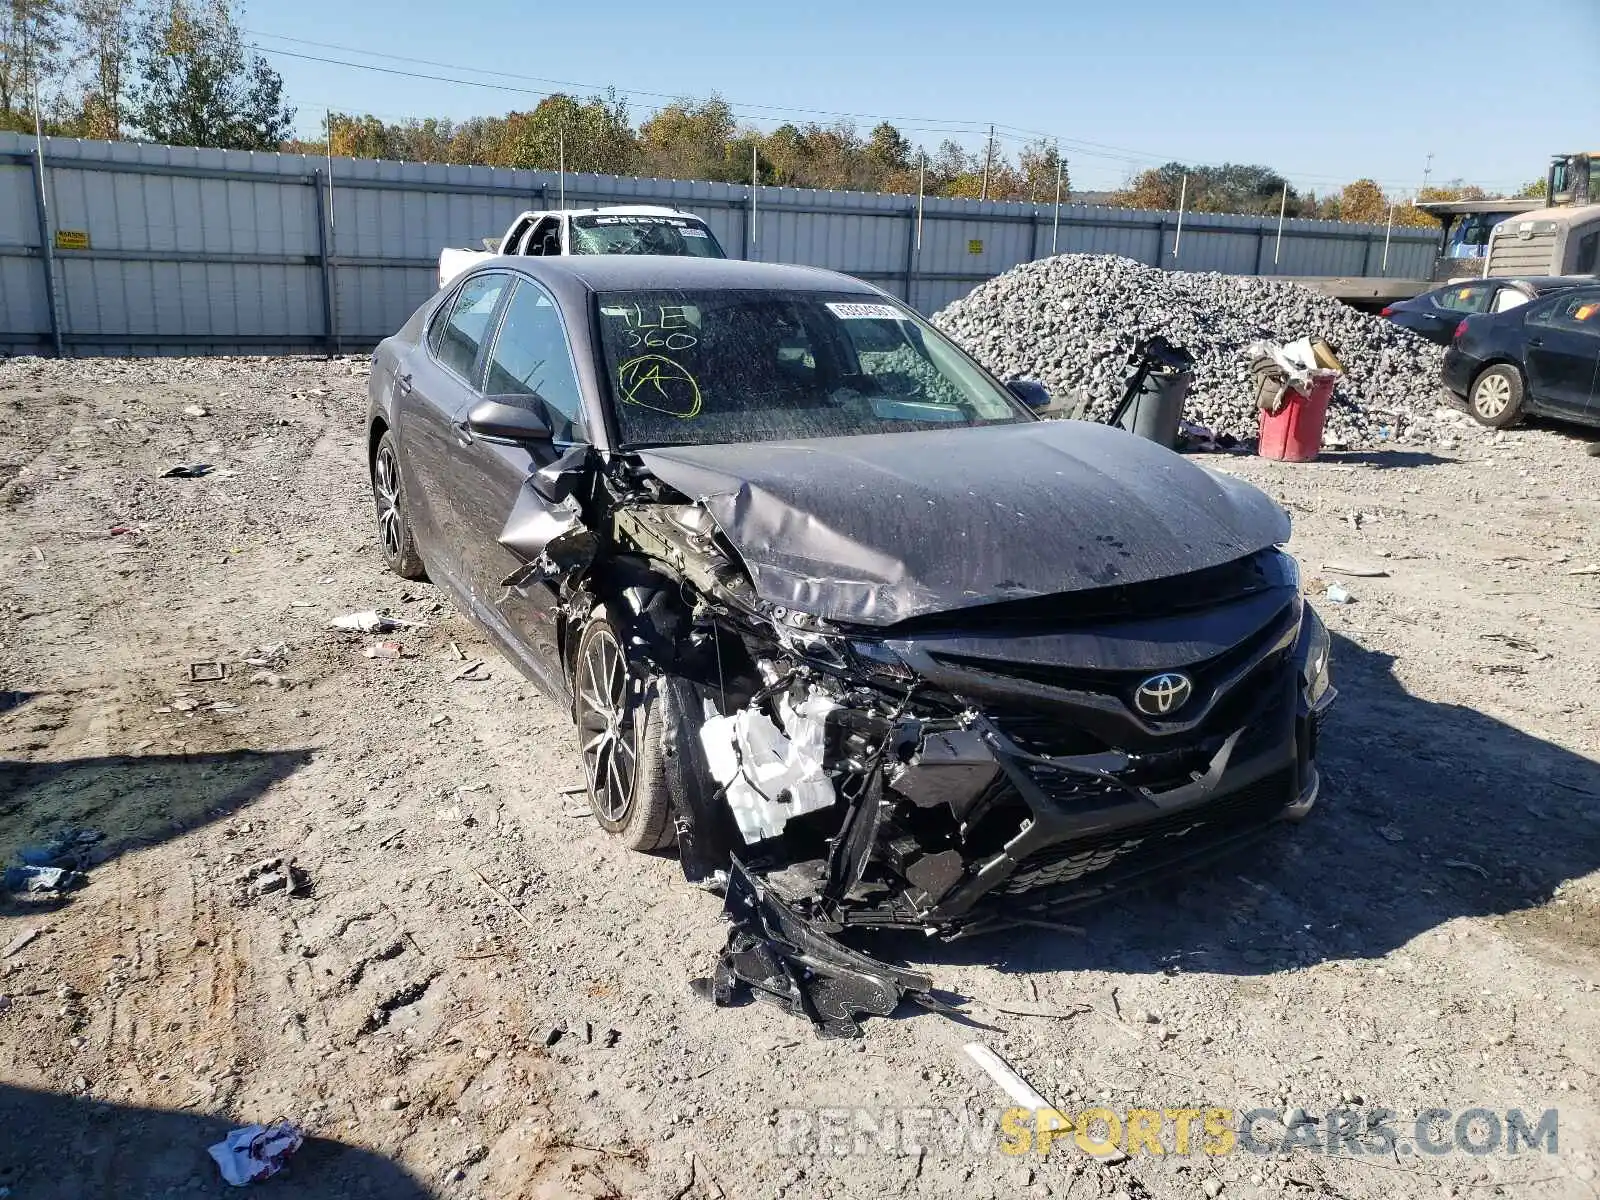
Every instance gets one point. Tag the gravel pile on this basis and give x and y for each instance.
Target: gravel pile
(1071, 320)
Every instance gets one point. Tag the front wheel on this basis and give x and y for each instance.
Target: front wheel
(619, 738)
(1496, 398)
(395, 539)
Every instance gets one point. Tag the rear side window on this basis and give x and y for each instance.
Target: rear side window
(456, 337)
(531, 358)
(1469, 298)
(1509, 297)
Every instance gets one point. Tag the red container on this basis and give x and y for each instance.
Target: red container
(1294, 432)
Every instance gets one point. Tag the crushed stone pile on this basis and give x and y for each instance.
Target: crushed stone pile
(1070, 322)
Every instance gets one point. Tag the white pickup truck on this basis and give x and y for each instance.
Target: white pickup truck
(626, 229)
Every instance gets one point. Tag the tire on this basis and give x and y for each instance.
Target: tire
(395, 539)
(619, 740)
(1496, 396)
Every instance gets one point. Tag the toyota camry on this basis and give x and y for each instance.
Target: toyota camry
(834, 611)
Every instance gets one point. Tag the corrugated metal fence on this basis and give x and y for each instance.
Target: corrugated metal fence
(179, 250)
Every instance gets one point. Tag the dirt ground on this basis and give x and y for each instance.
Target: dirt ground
(1429, 939)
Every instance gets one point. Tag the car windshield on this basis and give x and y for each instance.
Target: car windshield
(636, 233)
(696, 368)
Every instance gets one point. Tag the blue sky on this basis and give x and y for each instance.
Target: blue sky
(1325, 92)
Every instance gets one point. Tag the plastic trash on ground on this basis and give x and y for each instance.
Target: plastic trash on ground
(256, 1152)
(369, 622)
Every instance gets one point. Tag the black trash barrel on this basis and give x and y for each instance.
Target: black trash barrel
(1154, 412)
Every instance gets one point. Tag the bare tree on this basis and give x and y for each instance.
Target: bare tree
(30, 53)
(102, 37)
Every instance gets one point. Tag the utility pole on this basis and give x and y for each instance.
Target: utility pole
(922, 186)
(988, 156)
(1055, 225)
(1283, 208)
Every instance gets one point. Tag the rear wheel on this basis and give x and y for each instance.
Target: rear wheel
(1496, 397)
(619, 738)
(395, 538)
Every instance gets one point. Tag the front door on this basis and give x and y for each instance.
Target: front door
(529, 365)
(1563, 350)
(435, 383)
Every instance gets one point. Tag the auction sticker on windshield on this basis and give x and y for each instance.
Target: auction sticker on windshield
(865, 312)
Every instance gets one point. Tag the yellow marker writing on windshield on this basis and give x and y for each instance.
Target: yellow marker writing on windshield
(659, 384)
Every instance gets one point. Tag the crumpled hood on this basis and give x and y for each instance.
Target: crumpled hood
(879, 528)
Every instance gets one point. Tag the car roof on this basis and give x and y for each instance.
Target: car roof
(1537, 284)
(621, 272)
(1550, 283)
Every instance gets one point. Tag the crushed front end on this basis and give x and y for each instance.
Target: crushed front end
(989, 766)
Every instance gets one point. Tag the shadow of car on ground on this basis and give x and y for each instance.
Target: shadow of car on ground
(134, 800)
(60, 1147)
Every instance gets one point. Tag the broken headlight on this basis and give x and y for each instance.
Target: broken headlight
(813, 638)
(1314, 649)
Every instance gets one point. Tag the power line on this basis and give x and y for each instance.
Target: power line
(1078, 147)
(956, 126)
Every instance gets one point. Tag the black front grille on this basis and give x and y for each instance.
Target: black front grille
(1167, 837)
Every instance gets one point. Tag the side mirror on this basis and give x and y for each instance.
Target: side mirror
(500, 422)
(1032, 393)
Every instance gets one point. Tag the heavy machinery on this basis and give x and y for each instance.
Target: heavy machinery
(1526, 237)
(1480, 238)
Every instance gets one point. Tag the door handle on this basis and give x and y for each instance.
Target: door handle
(402, 383)
(1535, 341)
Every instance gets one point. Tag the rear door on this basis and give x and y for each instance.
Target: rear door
(1436, 315)
(1563, 351)
(435, 382)
(529, 365)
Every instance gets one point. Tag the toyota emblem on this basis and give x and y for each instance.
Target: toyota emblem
(1162, 694)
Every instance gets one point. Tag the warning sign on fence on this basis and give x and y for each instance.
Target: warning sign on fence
(72, 239)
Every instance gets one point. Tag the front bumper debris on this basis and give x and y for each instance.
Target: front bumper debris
(778, 956)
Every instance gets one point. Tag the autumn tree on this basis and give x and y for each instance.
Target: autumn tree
(196, 86)
(689, 140)
(1363, 203)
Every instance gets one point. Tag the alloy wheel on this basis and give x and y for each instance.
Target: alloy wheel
(606, 725)
(386, 489)
(1491, 396)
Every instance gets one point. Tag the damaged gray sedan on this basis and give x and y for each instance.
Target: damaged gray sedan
(835, 612)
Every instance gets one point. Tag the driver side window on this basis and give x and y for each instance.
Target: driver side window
(531, 359)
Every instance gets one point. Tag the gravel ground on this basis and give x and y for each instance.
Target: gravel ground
(1070, 322)
(1429, 939)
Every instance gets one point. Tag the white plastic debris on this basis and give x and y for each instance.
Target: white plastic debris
(368, 622)
(1013, 1085)
(1339, 595)
(255, 1152)
(771, 775)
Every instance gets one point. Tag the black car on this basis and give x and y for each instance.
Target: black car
(1436, 314)
(1542, 358)
(833, 610)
